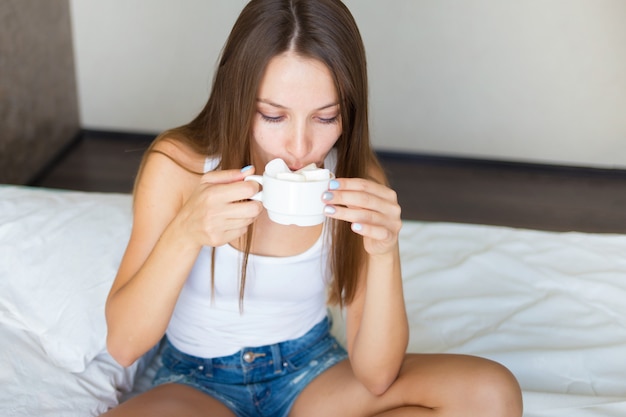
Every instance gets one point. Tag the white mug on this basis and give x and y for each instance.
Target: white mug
(292, 202)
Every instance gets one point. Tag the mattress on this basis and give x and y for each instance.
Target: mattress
(550, 306)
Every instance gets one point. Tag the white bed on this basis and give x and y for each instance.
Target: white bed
(550, 306)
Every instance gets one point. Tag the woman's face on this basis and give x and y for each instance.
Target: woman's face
(297, 115)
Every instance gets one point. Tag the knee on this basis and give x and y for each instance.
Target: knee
(494, 391)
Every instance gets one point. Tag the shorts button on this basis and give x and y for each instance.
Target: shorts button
(201, 368)
(248, 357)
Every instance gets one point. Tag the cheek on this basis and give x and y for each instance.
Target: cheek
(327, 137)
(266, 143)
(265, 138)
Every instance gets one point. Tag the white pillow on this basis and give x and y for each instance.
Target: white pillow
(59, 253)
(33, 386)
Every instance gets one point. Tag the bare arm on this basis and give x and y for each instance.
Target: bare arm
(175, 214)
(376, 326)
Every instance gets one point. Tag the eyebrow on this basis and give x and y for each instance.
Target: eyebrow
(280, 106)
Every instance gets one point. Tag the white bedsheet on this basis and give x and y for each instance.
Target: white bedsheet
(550, 306)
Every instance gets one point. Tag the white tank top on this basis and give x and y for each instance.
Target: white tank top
(284, 298)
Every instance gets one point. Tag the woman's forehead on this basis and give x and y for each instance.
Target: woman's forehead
(291, 80)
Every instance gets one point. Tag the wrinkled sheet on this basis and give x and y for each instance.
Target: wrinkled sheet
(550, 306)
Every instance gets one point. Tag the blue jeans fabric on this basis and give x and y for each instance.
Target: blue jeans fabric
(256, 382)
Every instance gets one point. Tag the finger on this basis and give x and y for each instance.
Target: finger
(374, 232)
(230, 192)
(383, 226)
(246, 210)
(225, 225)
(360, 184)
(227, 175)
(356, 215)
(365, 201)
(377, 239)
(362, 193)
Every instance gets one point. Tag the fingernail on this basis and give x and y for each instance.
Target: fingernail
(333, 184)
(330, 210)
(357, 227)
(246, 168)
(327, 196)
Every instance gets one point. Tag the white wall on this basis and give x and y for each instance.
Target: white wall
(534, 80)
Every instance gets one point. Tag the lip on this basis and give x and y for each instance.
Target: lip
(300, 166)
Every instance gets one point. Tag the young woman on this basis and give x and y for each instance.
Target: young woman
(242, 300)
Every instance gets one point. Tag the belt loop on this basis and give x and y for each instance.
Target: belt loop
(205, 367)
(277, 357)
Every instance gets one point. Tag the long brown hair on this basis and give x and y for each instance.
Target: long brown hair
(319, 29)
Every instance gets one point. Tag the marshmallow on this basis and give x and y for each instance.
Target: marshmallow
(316, 175)
(310, 167)
(277, 168)
(290, 176)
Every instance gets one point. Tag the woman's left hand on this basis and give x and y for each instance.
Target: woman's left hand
(371, 208)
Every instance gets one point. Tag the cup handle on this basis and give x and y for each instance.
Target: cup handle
(256, 178)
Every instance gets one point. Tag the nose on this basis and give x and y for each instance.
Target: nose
(299, 143)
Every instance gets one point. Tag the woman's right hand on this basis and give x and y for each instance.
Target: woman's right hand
(174, 216)
(220, 210)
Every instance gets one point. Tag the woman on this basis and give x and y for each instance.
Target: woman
(242, 300)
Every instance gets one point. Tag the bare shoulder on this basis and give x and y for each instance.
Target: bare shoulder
(180, 153)
(171, 166)
(170, 173)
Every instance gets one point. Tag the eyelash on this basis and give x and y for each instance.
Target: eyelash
(271, 119)
(278, 119)
(330, 121)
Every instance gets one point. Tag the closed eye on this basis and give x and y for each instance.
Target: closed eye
(330, 120)
(271, 119)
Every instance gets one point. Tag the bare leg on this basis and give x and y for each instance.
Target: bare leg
(428, 385)
(171, 400)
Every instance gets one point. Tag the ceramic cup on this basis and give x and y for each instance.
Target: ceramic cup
(291, 200)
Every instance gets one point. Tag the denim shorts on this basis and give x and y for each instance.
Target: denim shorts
(256, 382)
